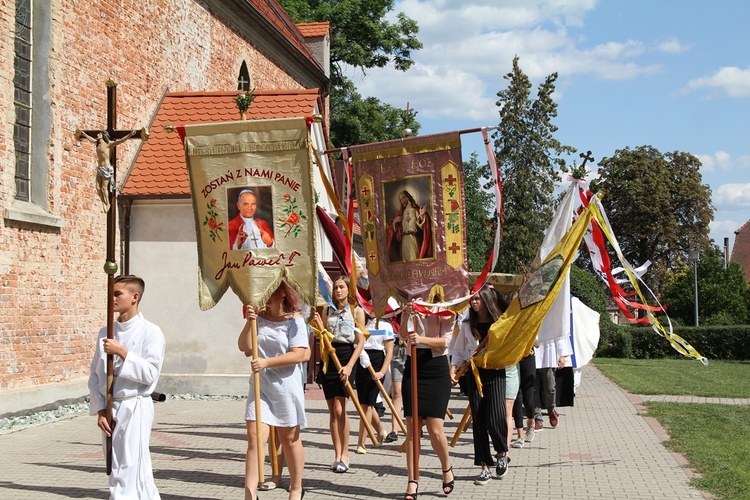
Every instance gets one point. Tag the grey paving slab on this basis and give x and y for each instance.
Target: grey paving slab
(601, 449)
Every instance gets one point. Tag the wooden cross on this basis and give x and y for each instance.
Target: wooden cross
(110, 266)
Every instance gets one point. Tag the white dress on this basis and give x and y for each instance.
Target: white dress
(135, 379)
(282, 390)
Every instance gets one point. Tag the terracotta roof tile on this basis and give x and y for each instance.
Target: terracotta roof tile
(741, 249)
(159, 169)
(277, 16)
(310, 30)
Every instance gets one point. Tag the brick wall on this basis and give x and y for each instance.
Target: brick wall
(52, 286)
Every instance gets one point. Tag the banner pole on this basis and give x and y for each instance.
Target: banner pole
(388, 400)
(256, 386)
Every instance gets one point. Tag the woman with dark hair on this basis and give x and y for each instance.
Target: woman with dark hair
(432, 335)
(282, 347)
(348, 342)
(489, 413)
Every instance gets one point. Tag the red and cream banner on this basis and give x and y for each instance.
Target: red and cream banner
(251, 186)
(411, 202)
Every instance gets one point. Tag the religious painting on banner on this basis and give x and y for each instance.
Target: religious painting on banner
(253, 201)
(412, 211)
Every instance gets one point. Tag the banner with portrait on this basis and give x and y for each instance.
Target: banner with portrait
(411, 201)
(253, 201)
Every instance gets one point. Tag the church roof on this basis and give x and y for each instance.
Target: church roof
(741, 249)
(159, 169)
(311, 30)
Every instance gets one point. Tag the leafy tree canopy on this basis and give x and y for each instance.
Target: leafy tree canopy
(723, 294)
(529, 157)
(362, 38)
(657, 205)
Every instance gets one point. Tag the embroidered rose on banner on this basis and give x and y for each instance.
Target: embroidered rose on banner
(292, 217)
(212, 221)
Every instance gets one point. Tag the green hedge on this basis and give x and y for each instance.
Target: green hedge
(642, 342)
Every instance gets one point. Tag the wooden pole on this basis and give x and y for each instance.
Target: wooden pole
(256, 385)
(274, 457)
(332, 352)
(388, 400)
(465, 420)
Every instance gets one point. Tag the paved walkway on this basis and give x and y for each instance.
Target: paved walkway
(601, 449)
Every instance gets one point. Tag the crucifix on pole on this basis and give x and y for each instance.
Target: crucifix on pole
(106, 141)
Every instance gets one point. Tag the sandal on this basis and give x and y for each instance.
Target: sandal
(448, 487)
(267, 486)
(412, 496)
(340, 467)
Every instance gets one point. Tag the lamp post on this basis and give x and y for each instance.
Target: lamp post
(694, 256)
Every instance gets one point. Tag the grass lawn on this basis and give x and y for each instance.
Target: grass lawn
(715, 439)
(720, 379)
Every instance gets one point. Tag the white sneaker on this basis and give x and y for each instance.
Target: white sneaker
(517, 443)
(484, 477)
(528, 434)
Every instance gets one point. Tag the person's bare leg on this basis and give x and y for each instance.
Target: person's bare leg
(440, 445)
(251, 459)
(294, 453)
(397, 401)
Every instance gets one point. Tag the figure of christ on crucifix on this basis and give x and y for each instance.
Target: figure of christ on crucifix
(104, 170)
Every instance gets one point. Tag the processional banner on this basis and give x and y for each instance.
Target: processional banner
(411, 203)
(512, 336)
(253, 201)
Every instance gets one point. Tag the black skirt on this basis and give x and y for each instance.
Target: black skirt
(367, 389)
(433, 385)
(333, 387)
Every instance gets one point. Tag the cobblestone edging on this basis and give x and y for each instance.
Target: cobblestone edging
(17, 423)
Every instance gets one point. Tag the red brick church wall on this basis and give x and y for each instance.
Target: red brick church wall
(52, 285)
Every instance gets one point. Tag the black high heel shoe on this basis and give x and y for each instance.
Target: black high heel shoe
(448, 487)
(412, 496)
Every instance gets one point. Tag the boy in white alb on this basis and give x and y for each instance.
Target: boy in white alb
(138, 349)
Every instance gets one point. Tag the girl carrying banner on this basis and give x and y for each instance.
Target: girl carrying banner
(431, 335)
(489, 412)
(282, 348)
(348, 342)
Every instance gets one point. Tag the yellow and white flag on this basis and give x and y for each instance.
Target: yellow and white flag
(512, 336)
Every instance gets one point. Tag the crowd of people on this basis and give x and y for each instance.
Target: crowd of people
(429, 343)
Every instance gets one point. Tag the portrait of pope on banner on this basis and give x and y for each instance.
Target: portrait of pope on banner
(249, 229)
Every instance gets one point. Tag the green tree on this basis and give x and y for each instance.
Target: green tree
(528, 156)
(361, 38)
(722, 293)
(657, 205)
(357, 120)
(481, 215)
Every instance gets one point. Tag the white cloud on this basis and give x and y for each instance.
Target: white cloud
(673, 46)
(730, 81)
(469, 46)
(718, 230)
(719, 160)
(732, 196)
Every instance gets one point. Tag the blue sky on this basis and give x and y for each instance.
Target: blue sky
(673, 74)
